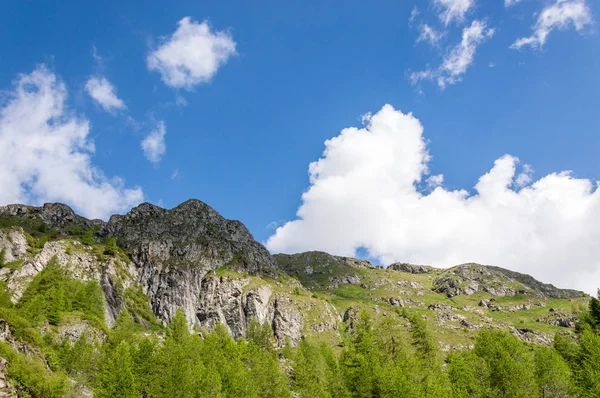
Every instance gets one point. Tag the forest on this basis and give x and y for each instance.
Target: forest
(129, 360)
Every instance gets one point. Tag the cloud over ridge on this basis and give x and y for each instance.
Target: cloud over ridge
(371, 189)
(45, 152)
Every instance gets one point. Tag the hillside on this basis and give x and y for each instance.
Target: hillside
(153, 262)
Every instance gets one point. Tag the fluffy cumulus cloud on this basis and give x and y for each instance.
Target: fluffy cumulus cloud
(459, 59)
(45, 152)
(153, 145)
(370, 190)
(560, 15)
(104, 93)
(192, 55)
(453, 10)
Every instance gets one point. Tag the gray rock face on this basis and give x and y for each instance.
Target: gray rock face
(440, 307)
(175, 249)
(227, 301)
(223, 300)
(14, 244)
(344, 280)
(192, 235)
(530, 336)
(559, 319)
(411, 284)
(55, 215)
(396, 302)
(468, 279)
(411, 268)
(356, 263)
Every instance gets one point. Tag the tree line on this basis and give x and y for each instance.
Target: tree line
(375, 359)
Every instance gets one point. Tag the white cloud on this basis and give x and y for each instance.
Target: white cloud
(460, 58)
(45, 152)
(101, 90)
(525, 177)
(154, 144)
(429, 35)
(435, 181)
(192, 55)
(508, 3)
(453, 10)
(364, 193)
(560, 15)
(97, 57)
(413, 15)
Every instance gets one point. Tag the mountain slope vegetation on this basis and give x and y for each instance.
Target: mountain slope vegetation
(184, 303)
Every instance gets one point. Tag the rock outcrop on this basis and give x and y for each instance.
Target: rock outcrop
(411, 268)
(56, 216)
(173, 250)
(468, 279)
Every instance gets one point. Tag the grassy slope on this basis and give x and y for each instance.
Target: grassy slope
(378, 284)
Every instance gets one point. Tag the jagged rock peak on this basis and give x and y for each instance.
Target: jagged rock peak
(55, 215)
(192, 233)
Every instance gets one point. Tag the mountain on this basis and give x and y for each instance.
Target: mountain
(64, 277)
(192, 258)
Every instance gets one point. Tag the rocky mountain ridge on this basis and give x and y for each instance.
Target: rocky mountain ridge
(192, 258)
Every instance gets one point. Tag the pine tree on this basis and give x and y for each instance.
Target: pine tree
(595, 310)
(123, 330)
(178, 328)
(56, 303)
(309, 378)
(179, 369)
(223, 356)
(552, 373)
(510, 362)
(261, 335)
(469, 375)
(117, 377)
(361, 359)
(587, 364)
(144, 356)
(111, 246)
(266, 378)
(88, 238)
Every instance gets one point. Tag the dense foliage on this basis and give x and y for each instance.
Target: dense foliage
(373, 362)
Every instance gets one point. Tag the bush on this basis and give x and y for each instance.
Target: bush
(111, 247)
(31, 375)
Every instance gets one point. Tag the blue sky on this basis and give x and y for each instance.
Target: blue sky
(240, 133)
